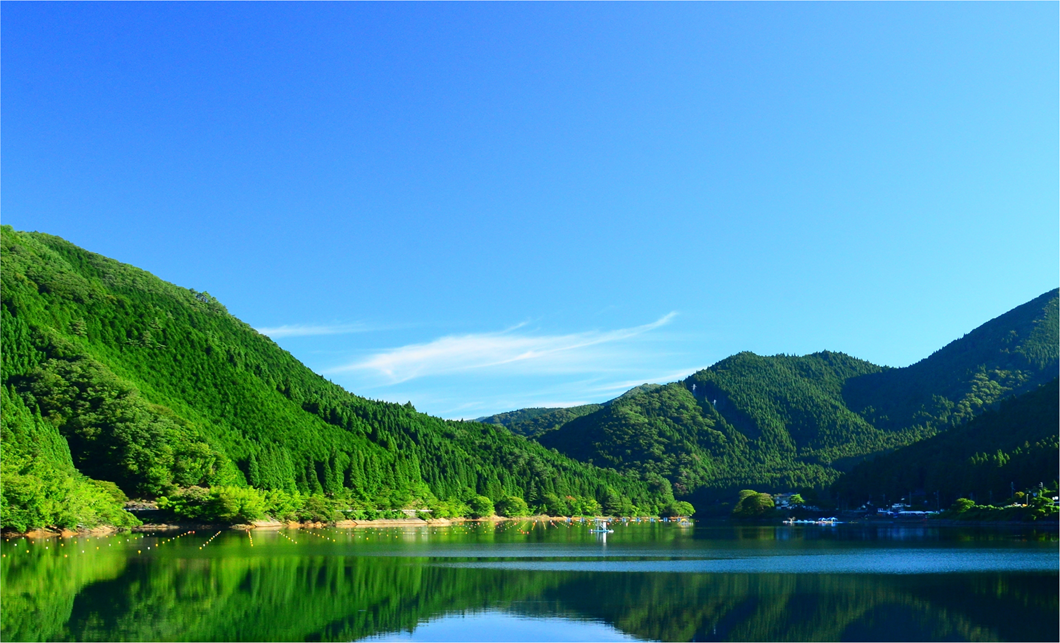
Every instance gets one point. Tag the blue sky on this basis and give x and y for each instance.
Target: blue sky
(481, 207)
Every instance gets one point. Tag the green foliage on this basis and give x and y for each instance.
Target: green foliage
(40, 486)
(556, 506)
(317, 508)
(1009, 355)
(1014, 446)
(777, 421)
(451, 508)
(587, 507)
(513, 507)
(481, 507)
(533, 422)
(679, 508)
(1038, 508)
(216, 504)
(114, 433)
(753, 505)
(158, 388)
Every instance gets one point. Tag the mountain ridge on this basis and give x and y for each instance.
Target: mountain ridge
(784, 422)
(156, 388)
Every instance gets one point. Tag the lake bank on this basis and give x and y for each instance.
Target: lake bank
(267, 525)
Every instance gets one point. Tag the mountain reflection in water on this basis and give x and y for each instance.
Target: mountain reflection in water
(478, 582)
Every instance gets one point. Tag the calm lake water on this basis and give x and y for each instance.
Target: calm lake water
(527, 581)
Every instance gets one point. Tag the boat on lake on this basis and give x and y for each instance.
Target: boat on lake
(601, 527)
(819, 521)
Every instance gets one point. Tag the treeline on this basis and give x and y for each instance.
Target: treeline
(158, 388)
(1011, 449)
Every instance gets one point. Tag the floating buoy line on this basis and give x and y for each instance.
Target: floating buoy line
(373, 535)
(207, 540)
(317, 535)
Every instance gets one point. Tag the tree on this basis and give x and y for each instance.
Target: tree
(612, 502)
(588, 507)
(556, 506)
(796, 500)
(679, 508)
(481, 507)
(752, 505)
(513, 507)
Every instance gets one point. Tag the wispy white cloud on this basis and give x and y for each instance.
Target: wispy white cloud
(515, 352)
(307, 330)
(625, 385)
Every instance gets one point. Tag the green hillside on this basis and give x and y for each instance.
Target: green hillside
(1009, 355)
(786, 422)
(748, 420)
(1015, 446)
(533, 422)
(156, 387)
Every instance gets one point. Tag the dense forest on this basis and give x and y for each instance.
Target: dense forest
(785, 422)
(116, 383)
(1013, 448)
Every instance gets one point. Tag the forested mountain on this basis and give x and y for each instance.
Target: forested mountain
(776, 422)
(111, 374)
(1014, 447)
(786, 422)
(535, 421)
(1008, 355)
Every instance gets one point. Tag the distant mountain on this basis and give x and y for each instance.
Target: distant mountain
(747, 420)
(787, 422)
(111, 375)
(1008, 355)
(532, 422)
(1014, 447)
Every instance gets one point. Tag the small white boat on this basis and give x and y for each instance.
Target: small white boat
(601, 528)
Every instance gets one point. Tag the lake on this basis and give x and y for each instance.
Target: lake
(514, 581)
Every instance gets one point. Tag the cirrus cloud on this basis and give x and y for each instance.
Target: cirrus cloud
(522, 353)
(308, 330)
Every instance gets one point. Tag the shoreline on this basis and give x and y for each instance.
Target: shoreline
(273, 525)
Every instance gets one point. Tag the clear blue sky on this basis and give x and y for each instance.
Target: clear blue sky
(481, 207)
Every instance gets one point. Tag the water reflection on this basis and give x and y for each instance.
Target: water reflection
(495, 625)
(648, 582)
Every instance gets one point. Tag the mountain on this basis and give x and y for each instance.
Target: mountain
(533, 422)
(747, 420)
(786, 422)
(111, 375)
(1010, 354)
(1013, 447)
